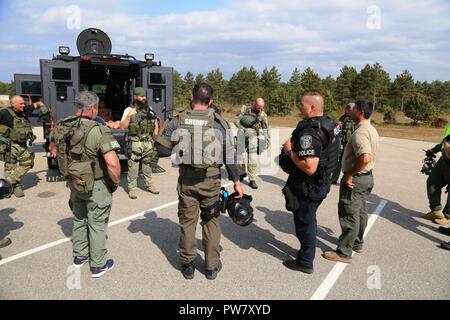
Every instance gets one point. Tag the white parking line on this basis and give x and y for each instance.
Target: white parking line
(61, 241)
(327, 284)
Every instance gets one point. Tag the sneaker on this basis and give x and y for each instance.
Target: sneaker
(212, 274)
(97, 272)
(253, 184)
(152, 189)
(78, 261)
(445, 231)
(442, 221)
(188, 269)
(18, 192)
(333, 256)
(132, 194)
(294, 265)
(5, 242)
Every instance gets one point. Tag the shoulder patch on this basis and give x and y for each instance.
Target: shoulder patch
(306, 141)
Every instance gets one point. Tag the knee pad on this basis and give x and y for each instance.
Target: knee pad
(210, 212)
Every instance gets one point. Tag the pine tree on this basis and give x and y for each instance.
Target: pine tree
(345, 84)
(294, 87)
(310, 81)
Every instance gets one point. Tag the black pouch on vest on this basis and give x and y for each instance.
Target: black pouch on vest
(292, 203)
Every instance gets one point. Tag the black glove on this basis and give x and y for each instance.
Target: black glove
(429, 153)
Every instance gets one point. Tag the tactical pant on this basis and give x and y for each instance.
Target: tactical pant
(193, 195)
(306, 224)
(139, 148)
(250, 158)
(91, 217)
(20, 162)
(353, 215)
(438, 179)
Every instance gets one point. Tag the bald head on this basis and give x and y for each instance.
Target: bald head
(311, 105)
(17, 103)
(258, 105)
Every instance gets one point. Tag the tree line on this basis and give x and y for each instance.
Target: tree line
(421, 101)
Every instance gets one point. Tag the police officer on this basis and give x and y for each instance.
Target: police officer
(15, 134)
(140, 120)
(86, 155)
(357, 183)
(191, 135)
(438, 179)
(313, 149)
(347, 126)
(253, 124)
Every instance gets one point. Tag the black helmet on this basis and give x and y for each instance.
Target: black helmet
(240, 210)
(6, 189)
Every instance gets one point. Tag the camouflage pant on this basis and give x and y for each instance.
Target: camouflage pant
(19, 163)
(250, 158)
(137, 150)
(91, 216)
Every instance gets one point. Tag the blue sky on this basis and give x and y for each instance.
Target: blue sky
(201, 35)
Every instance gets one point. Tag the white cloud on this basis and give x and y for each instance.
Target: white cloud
(285, 33)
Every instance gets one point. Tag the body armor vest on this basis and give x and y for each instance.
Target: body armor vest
(196, 149)
(328, 132)
(141, 125)
(74, 163)
(21, 129)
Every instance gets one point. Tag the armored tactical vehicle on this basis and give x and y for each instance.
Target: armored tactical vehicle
(111, 76)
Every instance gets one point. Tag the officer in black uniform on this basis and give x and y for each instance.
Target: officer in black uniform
(310, 157)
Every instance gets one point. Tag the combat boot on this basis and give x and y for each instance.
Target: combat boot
(152, 189)
(132, 194)
(434, 214)
(253, 184)
(18, 192)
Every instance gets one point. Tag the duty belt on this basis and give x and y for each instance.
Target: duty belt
(363, 174)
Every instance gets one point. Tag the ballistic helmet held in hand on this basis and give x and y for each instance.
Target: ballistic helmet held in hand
(6, 189)
(240, 210)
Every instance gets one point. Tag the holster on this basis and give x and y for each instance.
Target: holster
(109, 184)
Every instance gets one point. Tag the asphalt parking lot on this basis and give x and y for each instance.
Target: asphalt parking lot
(401, 259)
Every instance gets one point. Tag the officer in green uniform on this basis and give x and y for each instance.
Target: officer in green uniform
(16, 135)
(254, 138)
(438, 179)
(140, 120)
(86, 156)
(347, 126)
(191, 137)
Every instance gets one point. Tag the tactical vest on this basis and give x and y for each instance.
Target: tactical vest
(348, 126)
(21, 129)
(329, 134)
(201, 158)
(141, 127)
(70, 135)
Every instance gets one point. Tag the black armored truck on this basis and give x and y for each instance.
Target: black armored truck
(111, 76)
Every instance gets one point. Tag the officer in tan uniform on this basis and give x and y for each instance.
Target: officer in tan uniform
(253, 124)
(140, 120)
(357, 183)
(15, 134)
(86, 153)
(190, 135)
